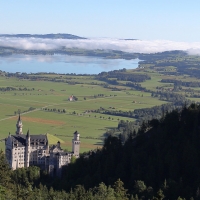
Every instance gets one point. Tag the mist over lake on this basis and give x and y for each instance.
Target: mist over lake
(63, 64)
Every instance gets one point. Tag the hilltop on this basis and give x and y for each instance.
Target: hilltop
(45, 36)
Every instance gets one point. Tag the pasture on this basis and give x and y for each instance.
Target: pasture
(45, 108)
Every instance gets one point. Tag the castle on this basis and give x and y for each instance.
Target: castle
(28, 150)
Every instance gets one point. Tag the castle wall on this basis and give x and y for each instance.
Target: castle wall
(18, 157)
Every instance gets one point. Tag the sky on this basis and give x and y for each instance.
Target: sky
(174, 20)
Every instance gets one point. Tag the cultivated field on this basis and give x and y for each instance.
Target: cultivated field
(45, 108)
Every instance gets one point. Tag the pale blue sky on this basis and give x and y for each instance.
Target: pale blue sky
(177, 20)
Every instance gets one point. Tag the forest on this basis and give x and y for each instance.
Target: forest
(181, 83)
(121, 75)
(159, 161)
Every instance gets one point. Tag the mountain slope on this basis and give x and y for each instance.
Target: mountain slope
(166, 157)
(45, 36)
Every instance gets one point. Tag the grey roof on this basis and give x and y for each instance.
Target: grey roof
(76, 132)
(36, 137)
(54, 147)
(61, 153)
(35, 140)
(18, 140)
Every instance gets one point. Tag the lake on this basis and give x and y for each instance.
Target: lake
(63, 64)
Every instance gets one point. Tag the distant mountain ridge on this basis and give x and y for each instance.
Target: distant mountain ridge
(44, 36)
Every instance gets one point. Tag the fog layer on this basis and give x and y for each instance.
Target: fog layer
(132, 46)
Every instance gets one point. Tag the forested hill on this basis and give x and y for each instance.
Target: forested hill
(45, 36)
(164, 157)
(161, 162)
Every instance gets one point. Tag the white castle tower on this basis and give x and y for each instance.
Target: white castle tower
(27, 150)
(76, 144)
(19, 126)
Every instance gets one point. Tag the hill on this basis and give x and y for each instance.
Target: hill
(161, 162)
(165, 157)
(45, 36)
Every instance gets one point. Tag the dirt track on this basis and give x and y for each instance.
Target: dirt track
(40, 120)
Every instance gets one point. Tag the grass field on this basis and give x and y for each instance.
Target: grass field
(46, 96)
(61, 126)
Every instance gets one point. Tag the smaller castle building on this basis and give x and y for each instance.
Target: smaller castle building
(24, 150)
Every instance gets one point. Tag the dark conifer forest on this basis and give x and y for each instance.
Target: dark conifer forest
(160, 161)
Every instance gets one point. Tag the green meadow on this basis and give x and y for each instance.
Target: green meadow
(46, 96)
(45, 108)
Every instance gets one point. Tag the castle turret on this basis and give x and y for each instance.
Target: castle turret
(27, 149)
(76, 144)
(19, 126)
(58, 144)
(47, 143)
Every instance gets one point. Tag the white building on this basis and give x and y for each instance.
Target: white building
(27, 150)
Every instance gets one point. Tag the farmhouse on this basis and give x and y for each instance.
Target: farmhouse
(71, 98)
(24, 150)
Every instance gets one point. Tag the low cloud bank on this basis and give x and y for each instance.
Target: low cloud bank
(132, 46)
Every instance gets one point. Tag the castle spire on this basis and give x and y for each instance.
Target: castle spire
(19, 118)
(19, 126)
(28, 133)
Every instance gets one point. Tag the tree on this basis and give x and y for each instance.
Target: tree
(5, 171)
(80, 192)
(75, 98)
(139, 186)
(120, 191)
(52, 194)
(159, 195)
(102, 192)
(2, 192)
(73, 159)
